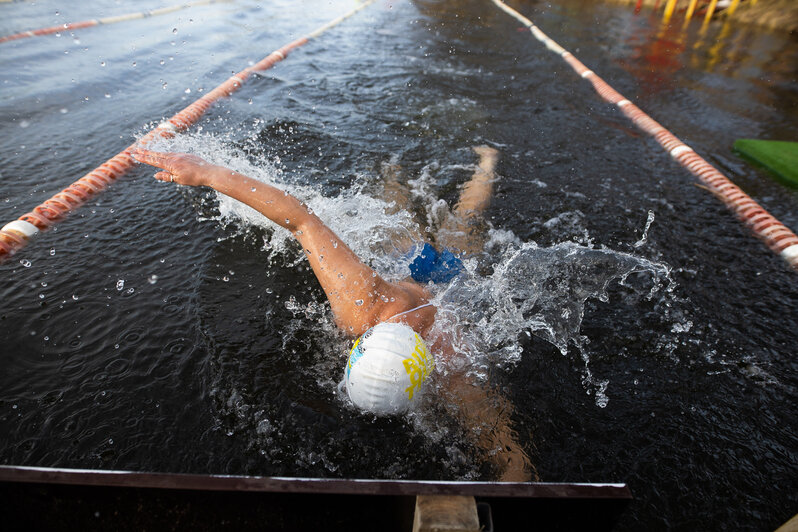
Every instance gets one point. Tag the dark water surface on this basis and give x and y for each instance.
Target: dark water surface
(146, 333)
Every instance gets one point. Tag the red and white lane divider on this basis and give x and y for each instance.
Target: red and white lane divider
(14, 235)
(107, 20)
(775, 235)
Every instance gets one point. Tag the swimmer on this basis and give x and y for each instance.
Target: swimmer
(389, 316)
(359, 297)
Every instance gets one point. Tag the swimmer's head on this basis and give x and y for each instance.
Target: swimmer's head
(387, 368)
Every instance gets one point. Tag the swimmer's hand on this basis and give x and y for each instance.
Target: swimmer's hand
(180, 168)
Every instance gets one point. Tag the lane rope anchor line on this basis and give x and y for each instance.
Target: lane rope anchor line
(16, 234)
(780, 239)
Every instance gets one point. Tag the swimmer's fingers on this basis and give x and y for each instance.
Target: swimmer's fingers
(164, 176)
(153, 158)
(181, 168)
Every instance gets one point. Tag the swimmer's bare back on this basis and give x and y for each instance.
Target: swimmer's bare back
(359, 297)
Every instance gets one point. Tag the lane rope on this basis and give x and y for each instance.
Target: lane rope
(14, 235)
(772, 232)
(107, 20)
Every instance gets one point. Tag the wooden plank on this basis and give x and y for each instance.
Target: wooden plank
(789, 526)
(445, 513)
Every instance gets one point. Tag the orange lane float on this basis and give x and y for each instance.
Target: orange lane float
(14, 235)
(107, 20)
(773, 233)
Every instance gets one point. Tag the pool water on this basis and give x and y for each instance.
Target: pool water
(633, 328)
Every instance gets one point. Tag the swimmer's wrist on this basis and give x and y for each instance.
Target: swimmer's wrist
(216, 176)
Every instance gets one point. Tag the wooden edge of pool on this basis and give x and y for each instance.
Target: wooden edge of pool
(180, 481)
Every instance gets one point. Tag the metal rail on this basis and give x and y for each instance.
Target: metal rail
(89, 477)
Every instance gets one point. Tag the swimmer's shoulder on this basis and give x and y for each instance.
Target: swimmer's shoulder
(409, 302)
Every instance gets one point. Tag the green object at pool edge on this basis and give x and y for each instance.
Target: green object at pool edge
(780, 157)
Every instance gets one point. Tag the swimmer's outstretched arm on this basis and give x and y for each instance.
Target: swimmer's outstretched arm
(359, 297)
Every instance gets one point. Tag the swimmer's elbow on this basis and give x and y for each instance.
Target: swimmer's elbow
(302, 223)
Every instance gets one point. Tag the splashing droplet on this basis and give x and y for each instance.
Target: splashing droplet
(644, 237)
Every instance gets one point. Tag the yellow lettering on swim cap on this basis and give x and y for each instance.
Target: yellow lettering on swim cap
(349, 362)
(417, 366)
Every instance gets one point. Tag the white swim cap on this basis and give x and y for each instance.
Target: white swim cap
(386, 368)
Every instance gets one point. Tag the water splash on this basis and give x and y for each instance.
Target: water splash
(644, 237)
(535, 290)
(511, 289)
(358, 218)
